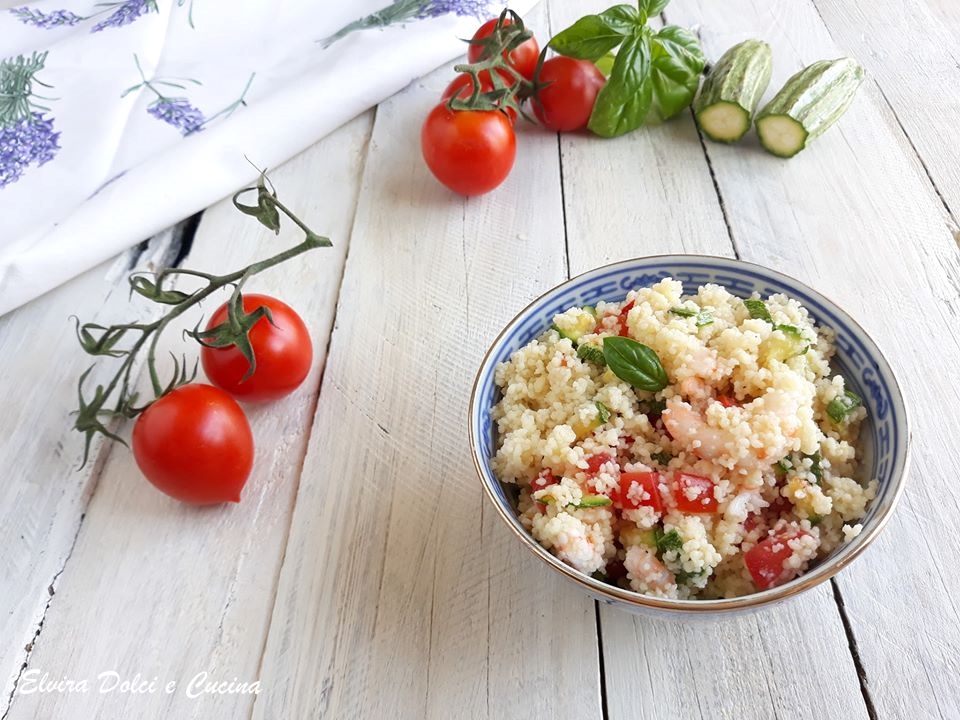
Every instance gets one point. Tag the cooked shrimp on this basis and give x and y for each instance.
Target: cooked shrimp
(690, 429)
(646, 573)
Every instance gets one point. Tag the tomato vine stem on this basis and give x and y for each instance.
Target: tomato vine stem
(93, 413)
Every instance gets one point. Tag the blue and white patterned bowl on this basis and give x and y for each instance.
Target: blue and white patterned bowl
(884, 440)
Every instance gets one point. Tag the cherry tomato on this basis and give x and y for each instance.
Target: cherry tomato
(523, 58)
(462, 85)
(765, 560)
(693, 493)
(469, 151)
(195, 445)
(282, 349)
(567, 91)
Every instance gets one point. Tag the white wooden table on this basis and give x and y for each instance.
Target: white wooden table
(363, 574)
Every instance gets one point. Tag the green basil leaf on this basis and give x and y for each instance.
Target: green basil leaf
(791, 331)
(758, 310)
(603, 412)
(668, 541)
(623, 103)
(663, 458)
(815, 467)
(841, 406)
(591, 353)
(634, 363)
(704, 317)
(593, 36)
(676, 64)
(649, 8)
(683, 312)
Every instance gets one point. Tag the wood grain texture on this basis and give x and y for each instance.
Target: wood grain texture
(647, 193)
(169, 591)
(402, 595)
(853, 217)
(915, 61)
(44, 495)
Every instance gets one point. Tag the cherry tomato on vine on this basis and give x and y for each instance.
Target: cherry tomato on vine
(567, 91)
(195, 445)
(462, 86)
(282, 349)
(523, 58)
(469, 151)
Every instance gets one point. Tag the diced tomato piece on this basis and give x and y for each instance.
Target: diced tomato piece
(727, 400)
(649, 484)
(594, 462)
(543, 480)
(622, 319)
(765, 560)
(693, 493)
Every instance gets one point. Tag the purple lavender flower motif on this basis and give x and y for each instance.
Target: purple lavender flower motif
(27, 136)
(125, 13)
(405, 10)
(46, 21)
(179, 113)
(436, 8)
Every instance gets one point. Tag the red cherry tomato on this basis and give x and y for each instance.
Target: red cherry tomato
(567, 91)
(195, 445)
(462, 86)
(523, 58)
(765, 560)
(469, 151)
(693, 493)
(282, 349)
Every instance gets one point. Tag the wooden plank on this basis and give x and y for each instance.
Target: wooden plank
(852, 217)
(169, 591)
(917, 67)
(648, 193)
(43, 494)
(402, 595)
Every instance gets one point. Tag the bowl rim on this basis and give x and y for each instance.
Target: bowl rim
(612, 593)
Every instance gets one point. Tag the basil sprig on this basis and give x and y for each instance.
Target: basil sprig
(655, 74)
(634, 363)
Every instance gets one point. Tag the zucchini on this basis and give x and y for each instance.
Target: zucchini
(807, 105)
(729, 96)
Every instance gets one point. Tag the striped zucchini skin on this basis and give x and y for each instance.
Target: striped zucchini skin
(814, 99)
(737, 80)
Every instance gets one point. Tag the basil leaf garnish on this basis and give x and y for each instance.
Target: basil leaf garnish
(815, 467)
(603, 412)
(634, 363)
(841, 406)
(758, 310)
(704, 317)
(622, 104)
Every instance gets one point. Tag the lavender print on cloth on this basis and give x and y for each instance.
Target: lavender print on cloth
(26, 134)
(46, 21)
(121, 13)
(124, 13)
(402, 11)
(178, 111)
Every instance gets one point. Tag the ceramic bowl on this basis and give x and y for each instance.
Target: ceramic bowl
(884, 438)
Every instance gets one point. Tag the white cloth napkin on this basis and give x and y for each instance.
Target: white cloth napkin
(120, 117)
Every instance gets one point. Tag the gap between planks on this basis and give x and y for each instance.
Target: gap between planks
(175, 247)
